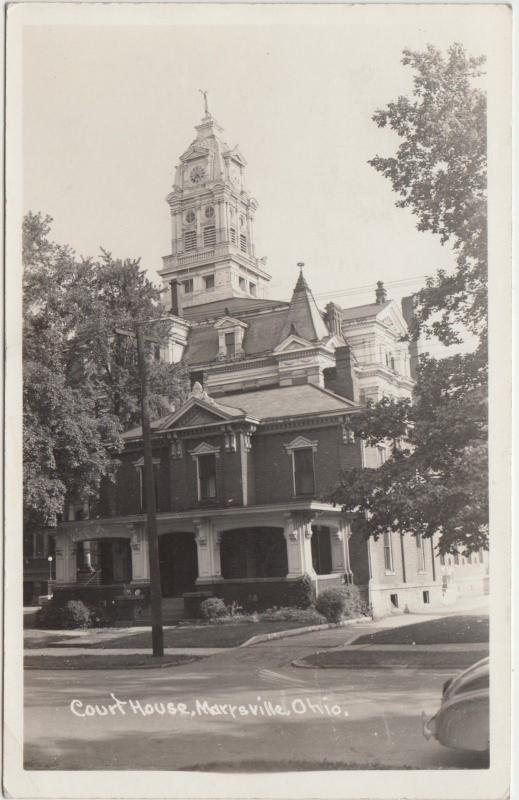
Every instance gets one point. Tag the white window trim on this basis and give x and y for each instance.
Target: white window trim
(422, 567)
(391, 570)
(139, 466)
(204, 449)
(301, 443)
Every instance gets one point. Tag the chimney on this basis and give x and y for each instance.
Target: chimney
(343, 380)
(380, 294)
(408, 314)
(175, 299)
(333, 319)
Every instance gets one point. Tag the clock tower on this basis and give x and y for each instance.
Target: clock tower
(212, 223)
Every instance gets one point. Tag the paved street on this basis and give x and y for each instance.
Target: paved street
(289, 718)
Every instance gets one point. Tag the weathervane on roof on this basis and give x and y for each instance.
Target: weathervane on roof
(204, 93)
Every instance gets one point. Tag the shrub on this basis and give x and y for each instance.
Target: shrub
(331, 604)
(303, 592)
(213, 608)
(356, 605)
(73, 614)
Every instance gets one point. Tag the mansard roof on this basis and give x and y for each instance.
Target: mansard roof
(262, 335)
(234, 305)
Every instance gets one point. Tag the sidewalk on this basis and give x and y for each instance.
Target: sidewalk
(54, 644)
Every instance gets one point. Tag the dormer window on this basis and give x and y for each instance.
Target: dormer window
(230, 343)
(230, 337)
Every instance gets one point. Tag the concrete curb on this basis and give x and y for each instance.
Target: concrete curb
(268, 637)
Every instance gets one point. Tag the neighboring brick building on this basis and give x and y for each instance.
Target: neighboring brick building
(244, 466)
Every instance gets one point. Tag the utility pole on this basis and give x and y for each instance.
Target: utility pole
(157, 632)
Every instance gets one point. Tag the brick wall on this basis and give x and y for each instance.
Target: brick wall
(273, 464)
(268, 466)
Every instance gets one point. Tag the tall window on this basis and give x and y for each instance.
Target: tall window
(252, 289)
(209, 281)
(230, 343)
(243, 243)
(206, 476)
(233, 235)
(304, 478)
(209, 236)
(420, 546)
(388, 551)
(242, 283)
(190, 240)
(142, 487)
(188, 286)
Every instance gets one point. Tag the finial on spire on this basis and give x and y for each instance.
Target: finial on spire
(300, 264)
(204, 93)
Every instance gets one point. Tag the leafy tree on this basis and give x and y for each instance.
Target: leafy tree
(436, 479)
(81, 387)
(439, 172)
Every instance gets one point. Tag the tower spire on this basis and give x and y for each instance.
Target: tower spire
(204, 94)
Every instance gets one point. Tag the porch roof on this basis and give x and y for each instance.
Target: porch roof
(191, 515)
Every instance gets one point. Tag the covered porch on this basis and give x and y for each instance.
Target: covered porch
(248, 554)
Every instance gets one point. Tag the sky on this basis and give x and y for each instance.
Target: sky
(108, 110)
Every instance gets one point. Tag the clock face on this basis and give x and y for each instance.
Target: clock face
(190, 216)
(209, 212)
(197, 173)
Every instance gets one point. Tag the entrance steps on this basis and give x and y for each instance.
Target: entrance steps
(172, 611)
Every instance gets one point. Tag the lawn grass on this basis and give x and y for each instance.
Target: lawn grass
(461, 629)
(124, 661)
(196, 636)
(375, 659)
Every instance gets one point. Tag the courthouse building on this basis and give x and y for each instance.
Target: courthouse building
(244, 467)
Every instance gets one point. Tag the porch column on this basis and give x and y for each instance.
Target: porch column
(339, 541)
(298, 536)
(140, 555)
(208, 552)
(65, 553)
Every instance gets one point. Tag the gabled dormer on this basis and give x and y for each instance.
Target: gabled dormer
(230, 337)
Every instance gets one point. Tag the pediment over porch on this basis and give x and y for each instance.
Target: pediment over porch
(197, 412)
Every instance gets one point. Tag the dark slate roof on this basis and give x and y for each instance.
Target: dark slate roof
(287, 401)
(261, 336)
(368, 310)
(236, 306)
(277, 403)
(304, 318)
